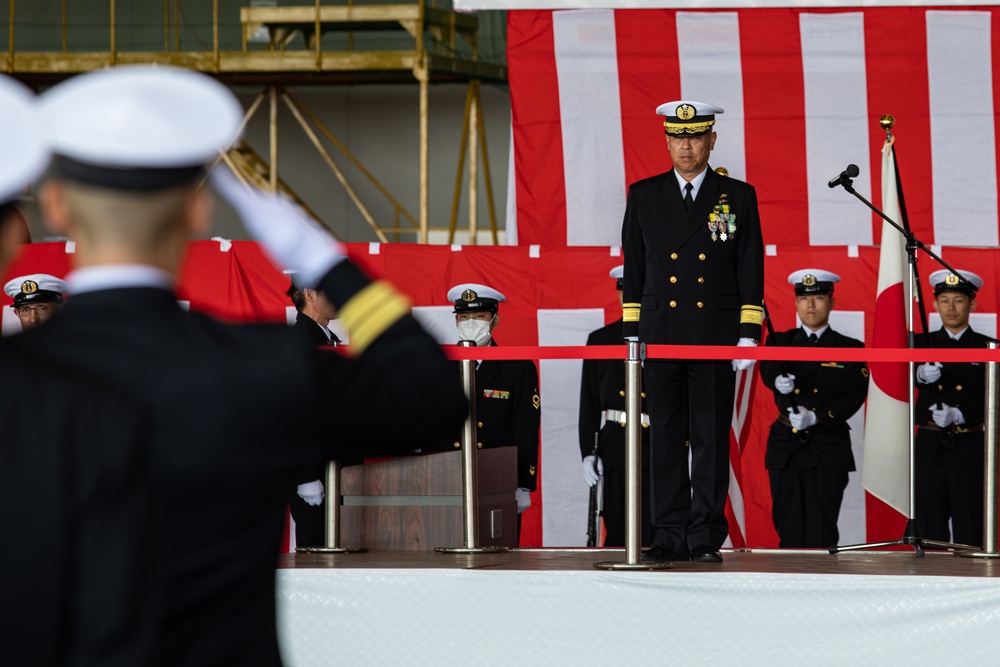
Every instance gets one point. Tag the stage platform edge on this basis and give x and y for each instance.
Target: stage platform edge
(551, 607)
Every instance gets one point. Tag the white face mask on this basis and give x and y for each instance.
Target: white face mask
(475, 330)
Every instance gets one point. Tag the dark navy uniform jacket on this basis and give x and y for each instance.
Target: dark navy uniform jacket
(834, 390)
(962, 386)
(78, 550)
(225, 449)
(508, 412)
(681, 286)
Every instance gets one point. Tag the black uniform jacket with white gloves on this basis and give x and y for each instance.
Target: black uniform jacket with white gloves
(834, 390)
(698, 276)
(962, 386)
(235, 414)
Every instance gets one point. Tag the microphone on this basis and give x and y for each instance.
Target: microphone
(845, 176)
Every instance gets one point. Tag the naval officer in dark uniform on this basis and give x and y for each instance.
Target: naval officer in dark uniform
(37, 297)
(507, 404)
(809, 453)
(694, 275)
(602, 416)
(313, 313)
(132, 144)
(949, 413)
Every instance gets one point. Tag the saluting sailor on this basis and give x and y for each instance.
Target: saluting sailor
(507, 403)
(36, 297)
(694, 275)
(949, 414)
(230, 411)
(809, 445)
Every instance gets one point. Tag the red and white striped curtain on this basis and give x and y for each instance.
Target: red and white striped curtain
(802, 89)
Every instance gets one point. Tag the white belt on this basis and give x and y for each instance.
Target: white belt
(619, 417)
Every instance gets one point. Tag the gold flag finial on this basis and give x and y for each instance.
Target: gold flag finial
(887, 122)
(722, 171)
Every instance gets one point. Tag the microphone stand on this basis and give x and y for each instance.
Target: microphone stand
(911, 534)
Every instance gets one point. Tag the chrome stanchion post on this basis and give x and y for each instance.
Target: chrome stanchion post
(470, 498)
(991, 423)
(633, 441)
(633, 466)
(331, 517)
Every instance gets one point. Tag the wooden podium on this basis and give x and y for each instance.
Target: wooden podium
(415, 502)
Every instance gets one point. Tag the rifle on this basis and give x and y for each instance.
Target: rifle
(594, 511)
(782, 365)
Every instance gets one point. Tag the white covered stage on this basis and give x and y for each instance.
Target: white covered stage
(551, 607)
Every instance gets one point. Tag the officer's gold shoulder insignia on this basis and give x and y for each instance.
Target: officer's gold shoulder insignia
(469, 295)
(685, 112)
(952, 279)
(29, 287)
(809, 280)
(535, 401)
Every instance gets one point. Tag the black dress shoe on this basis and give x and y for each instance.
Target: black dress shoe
(706, 556)
(660, 553)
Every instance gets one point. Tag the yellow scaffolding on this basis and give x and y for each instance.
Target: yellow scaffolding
(431, 44)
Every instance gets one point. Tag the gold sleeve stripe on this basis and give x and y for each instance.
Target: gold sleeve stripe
(370, 312)
(630, 312)
(751, 315)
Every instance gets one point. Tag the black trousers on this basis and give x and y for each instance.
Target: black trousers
(949, 481)
(614, 506)
(689, 401)
(310, 523)
(806, 505)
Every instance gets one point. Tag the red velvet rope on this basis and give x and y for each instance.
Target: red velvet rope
(725, 353)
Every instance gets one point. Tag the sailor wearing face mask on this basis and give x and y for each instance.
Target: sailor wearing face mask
(507, 404)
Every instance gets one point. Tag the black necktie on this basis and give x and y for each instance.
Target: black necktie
(688, 200)
(813, 338)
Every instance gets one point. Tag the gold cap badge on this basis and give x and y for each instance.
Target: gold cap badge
(469, 295)
(809, 280)
(952, 279)
(685, 112)
(29, 287)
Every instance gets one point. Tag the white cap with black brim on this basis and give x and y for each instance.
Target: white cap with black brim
(139, 127)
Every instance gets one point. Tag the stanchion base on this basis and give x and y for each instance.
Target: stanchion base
(470, 550)
(624, 565)
(977, 554)
(331, 550)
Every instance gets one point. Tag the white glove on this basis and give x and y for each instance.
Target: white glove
(946, 415)
(801, 418)
(634, 339)
(590, 476)
(523, 498)
(744, 364)
(311, 492)
(291, 239)
(928, 373)
(785, 384)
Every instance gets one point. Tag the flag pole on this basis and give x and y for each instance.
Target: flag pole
(911, 534)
